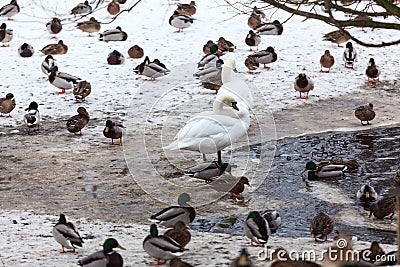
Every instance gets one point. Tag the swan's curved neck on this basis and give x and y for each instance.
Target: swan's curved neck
(226, 74)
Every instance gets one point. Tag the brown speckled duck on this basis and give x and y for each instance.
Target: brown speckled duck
(7, 104)
(243, 260)
(187, 9)
(251, 63)
(136, 52)
(81, 90)
(326, 61)
(179, 233)
(115, 58)
(77, 122)
(337, 37)
(321, 226)
(55, 49)
(303, 84)
(384, 207)
(54, 26)
(113, 8)
(89, 26)
(254, 20)
(365, 113)
(26, 50)
(372, 72)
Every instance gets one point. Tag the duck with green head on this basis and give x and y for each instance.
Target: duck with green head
(266, 56)
(113, 131)
(207, 171)
(324, 170)
(168, 217)
(209, 59)
(303, 84)
(106, 257)
(270, 28)
(161, 247)
(372, 72)
(256, 229)
(66, 235)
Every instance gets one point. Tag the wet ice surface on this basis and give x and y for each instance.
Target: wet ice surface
(375, 151)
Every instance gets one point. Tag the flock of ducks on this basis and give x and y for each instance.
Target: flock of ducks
(229, 121)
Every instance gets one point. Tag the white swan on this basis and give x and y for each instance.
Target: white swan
(234, 86)
(210, 132)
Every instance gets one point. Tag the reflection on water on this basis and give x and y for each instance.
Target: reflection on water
(375, 150)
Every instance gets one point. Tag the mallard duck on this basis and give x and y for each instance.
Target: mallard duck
(65, 233)
(77, 122)
(180, 21)
(48, 63)
(337, 37)
(7, 104)
(239, 187)
(251, 63)
(113, 131)
(179, 233)
(89, 26)
(81, 90)
(349, 56)
(207, 46)
(266, 56)
(270, 28)
(10, 10)
(81, 8)
(274, 220)
(115, 58)
(168, 217)
(151, 69)
(252, 39)
(54, 26)
(26, 50)
(365, 113)
(254, 20)
(243, 260)
(113, 35)
(212, 75)
(176, 262)
(372, 254)
(135, 52)
(55, 49)
(323, 170)
(113, 8)
(372, 71)
(351, 164)
(367, 193)
(6, 35)
(327, 61)
(106, 257)
(384, 207)
(303, 84)
(224, 46)
(161, 247)
(32, 117)
(396, 178)
(209, 60)
(62, 80)
(259, 12)
(187, 9)
(321, 226)
(207, 171)
(256, 229)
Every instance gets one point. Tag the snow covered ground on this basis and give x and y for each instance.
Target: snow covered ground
(29, 242)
